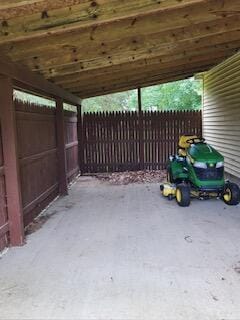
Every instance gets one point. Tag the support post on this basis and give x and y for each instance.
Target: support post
(11, 165)
(63, 185)
(141, 132)
(139, 100)
(80, 138)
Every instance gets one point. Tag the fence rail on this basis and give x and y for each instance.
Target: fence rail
(116, 141)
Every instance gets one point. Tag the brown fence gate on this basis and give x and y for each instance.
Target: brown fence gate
(118, 141)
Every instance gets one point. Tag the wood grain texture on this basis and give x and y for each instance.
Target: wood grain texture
(160, 69)
(40, 18)
(79, 43)
(118, 52)
(180, 57)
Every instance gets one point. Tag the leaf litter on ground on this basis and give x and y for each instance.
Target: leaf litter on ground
(124, 178)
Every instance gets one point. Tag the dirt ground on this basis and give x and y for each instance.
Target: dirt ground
(123, 252)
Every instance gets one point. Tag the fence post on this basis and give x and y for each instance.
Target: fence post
(11, 165)
(141, 134)
(63, 185)
(80, 138)
(139, 100)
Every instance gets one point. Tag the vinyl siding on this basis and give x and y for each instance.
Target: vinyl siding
(221, 111)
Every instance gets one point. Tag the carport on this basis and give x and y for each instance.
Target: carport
(66, 51)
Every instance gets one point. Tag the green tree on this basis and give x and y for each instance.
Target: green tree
(122, 101)
(179, 95)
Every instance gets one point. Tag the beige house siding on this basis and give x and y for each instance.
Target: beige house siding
(221, 111)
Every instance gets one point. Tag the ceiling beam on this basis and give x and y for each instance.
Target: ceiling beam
(145, 78)
(26, 79)
(29, 19)
(189, 16)
(160, 62)
(131, 48)
(145, 49)
(108, 82)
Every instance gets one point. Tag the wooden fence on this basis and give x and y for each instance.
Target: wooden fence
(38, 155)
(32, 149)
(119, 141)
(108, 142)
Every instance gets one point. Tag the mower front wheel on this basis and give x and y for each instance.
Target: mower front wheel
(183, 195)
(231, 194)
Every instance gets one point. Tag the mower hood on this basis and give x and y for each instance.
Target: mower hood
(203, 152)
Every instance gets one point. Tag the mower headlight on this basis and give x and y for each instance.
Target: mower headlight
(219, 164)
(200, 165)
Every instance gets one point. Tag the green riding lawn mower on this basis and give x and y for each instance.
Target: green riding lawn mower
(197, 171)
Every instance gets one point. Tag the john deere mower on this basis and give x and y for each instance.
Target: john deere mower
(197, 171)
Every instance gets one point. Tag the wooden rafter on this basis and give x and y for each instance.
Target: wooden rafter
(140, 66)
(147, 76)
(147, 24)
(29, 19)
(126, 49)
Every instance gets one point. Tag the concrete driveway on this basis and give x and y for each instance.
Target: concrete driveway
(124, 252)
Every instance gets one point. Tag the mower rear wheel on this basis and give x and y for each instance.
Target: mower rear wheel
(183, 195)
(231, 194)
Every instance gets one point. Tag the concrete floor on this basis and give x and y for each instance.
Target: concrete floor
(124, 252)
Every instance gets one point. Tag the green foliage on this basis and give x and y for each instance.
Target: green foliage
(179, 95)
(40, 101)
(30, 98)
(122, 101)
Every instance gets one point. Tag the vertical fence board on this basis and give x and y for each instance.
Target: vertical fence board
(71, 143)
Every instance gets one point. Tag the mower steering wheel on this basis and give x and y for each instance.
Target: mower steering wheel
(195, 140)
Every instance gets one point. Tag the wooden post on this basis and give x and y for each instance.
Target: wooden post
(80, 138)
(141, 134)
(63, 185)
(11, 165)
(139, 100)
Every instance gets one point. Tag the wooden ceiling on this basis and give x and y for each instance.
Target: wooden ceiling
(102, 46)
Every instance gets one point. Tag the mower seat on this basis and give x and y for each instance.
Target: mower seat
(183, 145)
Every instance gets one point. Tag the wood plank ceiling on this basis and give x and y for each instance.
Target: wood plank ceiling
(101, 46)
